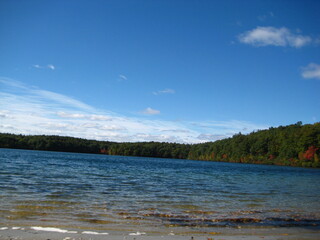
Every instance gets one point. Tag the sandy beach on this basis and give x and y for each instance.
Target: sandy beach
(40, 233)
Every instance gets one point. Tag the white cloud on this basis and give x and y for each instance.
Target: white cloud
(70, 115)
(150, 111)
(156, 137)
(59, 99)
(83, 116)
(165, 91)
(49, 66)
(176, 130)
(112, 127)
(100, 117)
(271, 36)
(211, 137)
(30, 110)
(90, 125)
(56, 126)
(4, 114)
(311, 71)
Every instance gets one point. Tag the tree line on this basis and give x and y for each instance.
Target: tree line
(292, 145)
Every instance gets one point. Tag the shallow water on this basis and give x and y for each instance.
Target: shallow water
(87, 191)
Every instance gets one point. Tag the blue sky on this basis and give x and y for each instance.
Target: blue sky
(176, 71)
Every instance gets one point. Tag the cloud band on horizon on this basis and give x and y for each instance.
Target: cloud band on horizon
(33, 111)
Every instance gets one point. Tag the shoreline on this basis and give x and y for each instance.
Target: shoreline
(306, 155)
(267, 233)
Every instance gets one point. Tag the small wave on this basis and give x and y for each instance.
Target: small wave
(17, 228)
(137, 233)
(52, 229)
(94, 233)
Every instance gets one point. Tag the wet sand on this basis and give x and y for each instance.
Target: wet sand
(38, 233)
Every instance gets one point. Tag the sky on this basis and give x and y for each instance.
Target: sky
(157, 70)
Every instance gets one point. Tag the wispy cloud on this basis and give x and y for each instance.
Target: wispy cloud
(271, 36)
(30, 110)
(228, 128)
(164, 91)
(49, 66)
(122, 77)
(36, 66)
(311, 71)
(264, 17)
(56, 99)
(84, 116)
(210, 137)
(150, 111)
(176, 130)
(71, 115)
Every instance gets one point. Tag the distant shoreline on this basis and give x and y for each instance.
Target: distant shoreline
(294, 145)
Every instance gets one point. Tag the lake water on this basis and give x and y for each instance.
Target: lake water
(87, 191)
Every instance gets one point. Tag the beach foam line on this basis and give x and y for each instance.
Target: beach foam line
(137, 233)
(16, 228)
(94, 233)
(52, 229)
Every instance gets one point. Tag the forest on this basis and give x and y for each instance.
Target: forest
(292, 145)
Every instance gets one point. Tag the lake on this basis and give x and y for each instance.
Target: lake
(115, 193)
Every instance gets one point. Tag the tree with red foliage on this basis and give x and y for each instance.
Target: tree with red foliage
(309, 154)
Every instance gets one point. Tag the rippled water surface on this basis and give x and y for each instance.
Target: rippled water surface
(113, 192)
